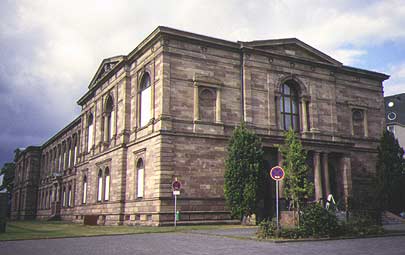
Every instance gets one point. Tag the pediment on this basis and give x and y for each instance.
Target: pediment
(105, 67)
(294, 48)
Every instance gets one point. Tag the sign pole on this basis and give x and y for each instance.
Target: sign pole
(175, 210)
(277, 205)
(176, 186)
(277, 173)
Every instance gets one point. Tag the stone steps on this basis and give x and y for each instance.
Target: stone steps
(388, 218)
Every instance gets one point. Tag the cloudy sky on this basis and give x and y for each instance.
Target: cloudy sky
(51, 49)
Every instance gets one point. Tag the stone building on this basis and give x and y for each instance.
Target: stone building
(167, 109)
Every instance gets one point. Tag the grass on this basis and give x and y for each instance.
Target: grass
(21, 230)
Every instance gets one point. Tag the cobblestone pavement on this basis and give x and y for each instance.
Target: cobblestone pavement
(198, 243)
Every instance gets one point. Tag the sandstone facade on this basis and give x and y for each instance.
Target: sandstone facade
(166, 110)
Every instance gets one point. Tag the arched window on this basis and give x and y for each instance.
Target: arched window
(358, 122)
(140, 171)
(289, 107)
(207, 105)
(145, 100)
(89, 132)
(107, 184)
(84, 197)
(108, 121)
(100, 185)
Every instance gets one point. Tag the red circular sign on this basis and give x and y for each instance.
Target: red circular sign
(176, 185)
(277, 173)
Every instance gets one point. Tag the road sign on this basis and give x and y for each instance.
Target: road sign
(176, 185)
(277, 173)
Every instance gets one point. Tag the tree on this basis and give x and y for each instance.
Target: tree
(7, 171)
(243, 172)
(297, 187)
(390, 173)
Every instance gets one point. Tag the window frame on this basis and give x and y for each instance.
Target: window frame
(287, 108)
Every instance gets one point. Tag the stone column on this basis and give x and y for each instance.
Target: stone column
(325, 168)
(347, 176)
(196, 103)
(218, 106)
(317, 176)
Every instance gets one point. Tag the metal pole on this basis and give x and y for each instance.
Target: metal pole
(277, 204)
(175, 210)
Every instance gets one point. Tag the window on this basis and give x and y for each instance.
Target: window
(207, 104)
(100, 185)
(108, 119)
(358, 122)
(75, 151)
(289, 107)
(145, 100)
(64, 197)
(106, 184)
(89, 132)
(69, 196)
(69, 155)
(84, 197)
(140, 171)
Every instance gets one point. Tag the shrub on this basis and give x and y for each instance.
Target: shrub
(267, 228)
(319, 222)
(361, 226)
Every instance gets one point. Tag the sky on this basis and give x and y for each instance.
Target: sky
(50, 50)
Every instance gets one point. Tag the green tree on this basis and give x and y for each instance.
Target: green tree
(390, 173)
(243, 172)
(7, 171)
(297, 187)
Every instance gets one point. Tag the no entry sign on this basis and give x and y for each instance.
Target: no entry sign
(277, 173)
(176, 185)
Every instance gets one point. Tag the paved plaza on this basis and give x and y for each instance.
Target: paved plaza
(199, 243)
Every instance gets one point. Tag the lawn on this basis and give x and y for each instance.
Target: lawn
(19, 230)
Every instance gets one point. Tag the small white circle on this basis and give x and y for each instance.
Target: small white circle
(391, 104)
(392, 116)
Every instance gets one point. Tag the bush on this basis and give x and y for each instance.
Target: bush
(267, 228)
(361, 226)
(319, 222)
